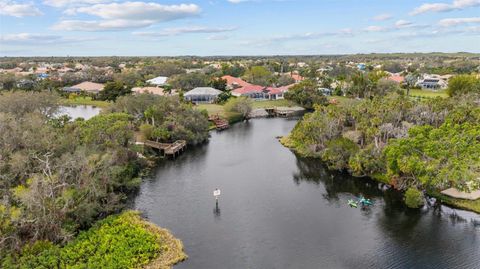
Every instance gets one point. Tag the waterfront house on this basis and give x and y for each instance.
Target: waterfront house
(158, 81)
(86, 86)
(257, 92)
(202, 95)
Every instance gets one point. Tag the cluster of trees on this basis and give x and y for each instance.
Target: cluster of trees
(58, 176)
(306, 94)
(164, 119)
(418, 145)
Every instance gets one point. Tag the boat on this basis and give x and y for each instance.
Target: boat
(352, 203)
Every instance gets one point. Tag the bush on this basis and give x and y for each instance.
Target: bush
(413, 198)
(242, 105)
(120, 241)
(338, 152)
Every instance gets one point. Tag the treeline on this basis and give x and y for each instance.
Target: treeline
(58, 176)
(412, 145)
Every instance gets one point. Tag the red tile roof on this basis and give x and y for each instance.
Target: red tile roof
(249, 89)
(236, 81)
(396, 78)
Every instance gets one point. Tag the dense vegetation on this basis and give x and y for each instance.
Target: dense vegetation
(119, 241)
(59, 176)
(165, 119)
(426, 145)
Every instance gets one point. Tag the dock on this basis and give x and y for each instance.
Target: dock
(220, 123)
(168, 149)
(283, 111)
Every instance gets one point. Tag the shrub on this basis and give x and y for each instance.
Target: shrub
(413, 198)
(119, 241)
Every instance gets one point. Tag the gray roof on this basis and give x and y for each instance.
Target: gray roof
(203, 91)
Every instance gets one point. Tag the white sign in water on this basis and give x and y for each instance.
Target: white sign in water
(216, 193)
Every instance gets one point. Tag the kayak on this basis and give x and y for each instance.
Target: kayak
(352, 203)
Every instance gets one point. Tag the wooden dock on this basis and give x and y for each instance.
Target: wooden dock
(168, 149)
(220, 123)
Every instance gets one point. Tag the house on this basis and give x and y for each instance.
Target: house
(86, 86)
(261, 93)
(252, 91)
(432, 82)
(234, 83)
(396, 78)
(296, 77)
(153, 90)
(158, 81)
(202, 95)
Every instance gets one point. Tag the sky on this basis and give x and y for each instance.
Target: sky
(236, 27)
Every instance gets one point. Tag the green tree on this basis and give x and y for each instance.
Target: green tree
(259, 75)
(306, 94)
(112, 90)
(463, 84)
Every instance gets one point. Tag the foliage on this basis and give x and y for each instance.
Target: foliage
(59, 176)
(259, 75)
(241, 105)
(189, 81)
(119, 241)
(430, 144)
(218, 83)
(413, 198)
(306, 94)
(463, 84)
(169, 118)
(112, 90)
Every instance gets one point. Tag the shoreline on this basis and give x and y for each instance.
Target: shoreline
(472, 206)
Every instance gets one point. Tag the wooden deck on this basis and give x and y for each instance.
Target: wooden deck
(220, 123)
(168, 149)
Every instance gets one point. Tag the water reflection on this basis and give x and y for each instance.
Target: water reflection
(283, 211)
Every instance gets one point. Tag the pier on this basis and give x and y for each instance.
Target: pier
(220, 123)
(168, 149)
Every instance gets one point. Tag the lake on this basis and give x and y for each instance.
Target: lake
(80, 111)
(280, 211)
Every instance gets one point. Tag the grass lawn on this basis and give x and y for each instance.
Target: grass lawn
(84, 101)
(428, 94)
(214, 109)
(272, 103)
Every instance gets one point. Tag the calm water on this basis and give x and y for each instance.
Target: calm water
(81, 111)
(280, 211)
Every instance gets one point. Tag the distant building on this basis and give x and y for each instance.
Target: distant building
(432, 82)
(86, 86)
(202, 95)
(234, 83)
(261, 93)
(153, 90)
(396, 78)
(158, 81)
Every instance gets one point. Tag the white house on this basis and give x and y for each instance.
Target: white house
(202, 95)
(432, 82)
(158, 81)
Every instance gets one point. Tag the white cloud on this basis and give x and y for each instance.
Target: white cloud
(218, 37)
(35, 39)
(374, 28)
(107, 25)
(127, 15)
(383, 17)
(403, 24)
(19, 10)
(457, 21)
(443, 7)
(186, 30)
(64, 3)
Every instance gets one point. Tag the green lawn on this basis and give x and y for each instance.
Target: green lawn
(428, 94)
(272, 103)
(84, 101)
